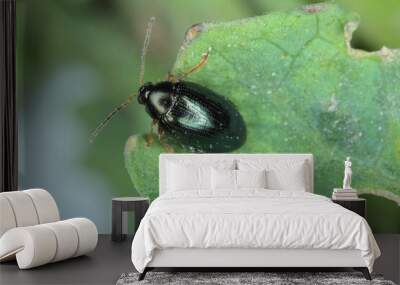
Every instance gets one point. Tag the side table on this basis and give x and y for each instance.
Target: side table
(358, 205)
(120, 206)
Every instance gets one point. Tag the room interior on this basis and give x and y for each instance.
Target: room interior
(234, 142)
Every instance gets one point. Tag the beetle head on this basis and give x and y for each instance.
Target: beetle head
(144, 92)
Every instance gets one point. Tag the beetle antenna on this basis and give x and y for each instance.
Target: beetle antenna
(145, 48)
(100, 127)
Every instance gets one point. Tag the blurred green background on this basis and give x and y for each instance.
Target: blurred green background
(78, 59)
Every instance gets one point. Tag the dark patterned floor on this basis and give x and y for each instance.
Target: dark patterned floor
(247, 278)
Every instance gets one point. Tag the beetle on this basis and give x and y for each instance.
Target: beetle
(187, 113)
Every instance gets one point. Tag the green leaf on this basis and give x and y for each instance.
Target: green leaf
(300, 88)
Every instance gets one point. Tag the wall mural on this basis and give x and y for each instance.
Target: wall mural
(286, 82)
(282, 82)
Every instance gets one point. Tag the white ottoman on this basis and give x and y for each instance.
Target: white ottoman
(31, 232)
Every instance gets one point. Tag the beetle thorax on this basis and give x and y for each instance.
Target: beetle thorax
(157, 98)
(157, 102)
(160, 102)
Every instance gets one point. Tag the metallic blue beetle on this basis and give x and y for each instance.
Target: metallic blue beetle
(188, 114)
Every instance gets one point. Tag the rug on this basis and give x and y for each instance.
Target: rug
(244, 278)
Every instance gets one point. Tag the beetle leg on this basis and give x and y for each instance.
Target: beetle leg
(197, 67)
(171, 77)
(161, 134)
(167, 147)
(149, 136)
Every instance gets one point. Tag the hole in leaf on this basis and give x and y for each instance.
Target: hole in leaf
(360, 42)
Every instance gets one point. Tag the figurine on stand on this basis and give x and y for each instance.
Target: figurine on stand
(345, 193)
(347, 174)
